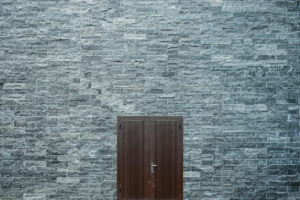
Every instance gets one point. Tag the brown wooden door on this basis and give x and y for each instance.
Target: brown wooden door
(150, 158)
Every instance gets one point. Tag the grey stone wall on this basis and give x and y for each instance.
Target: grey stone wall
(70, 67)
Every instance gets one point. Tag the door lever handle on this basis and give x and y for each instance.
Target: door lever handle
(152, 169)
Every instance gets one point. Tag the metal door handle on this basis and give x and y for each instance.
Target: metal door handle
(152, 169)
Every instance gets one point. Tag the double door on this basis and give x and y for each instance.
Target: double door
(150, 158)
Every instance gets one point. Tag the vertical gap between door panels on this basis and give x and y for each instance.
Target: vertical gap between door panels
(177, 160)
(176, 129)
(140, 192)
(174, 149)
(158, 132)
(125, 138)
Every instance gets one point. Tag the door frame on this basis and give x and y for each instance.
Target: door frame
(147, 128)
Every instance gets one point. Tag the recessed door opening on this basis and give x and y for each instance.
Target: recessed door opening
(150, 157)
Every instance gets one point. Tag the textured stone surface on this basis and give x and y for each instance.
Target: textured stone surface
(68, 68)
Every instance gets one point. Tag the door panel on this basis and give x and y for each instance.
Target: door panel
(146, 140)
(166, 158)
(134, 160)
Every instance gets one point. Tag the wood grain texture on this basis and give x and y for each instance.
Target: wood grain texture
(143, 140)
(166, 158)
(133, 180)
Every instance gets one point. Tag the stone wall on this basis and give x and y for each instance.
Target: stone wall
(68, 68)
